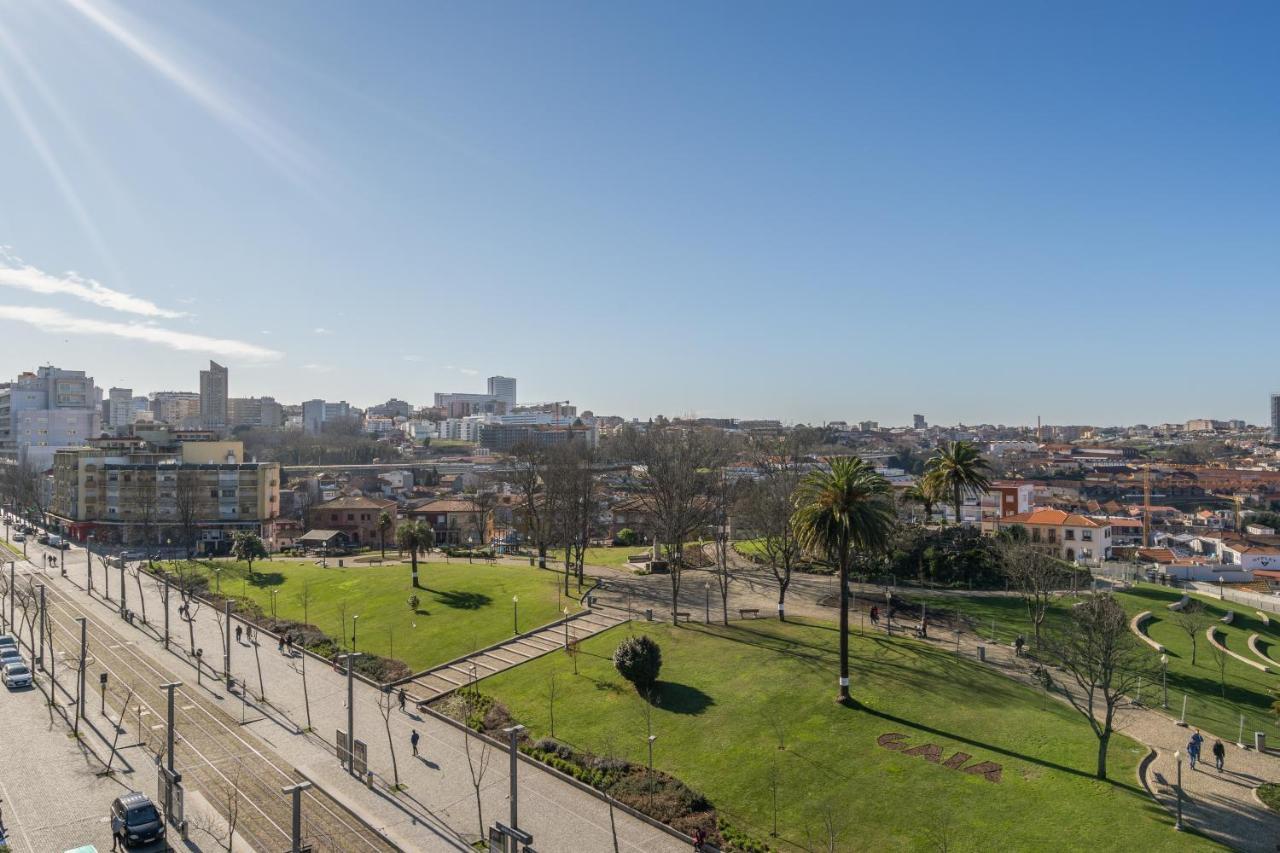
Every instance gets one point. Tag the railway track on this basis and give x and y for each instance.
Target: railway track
(232, 769)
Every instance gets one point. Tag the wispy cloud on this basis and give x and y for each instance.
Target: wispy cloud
(317, 368)
(54, 320)
(14, 273)
(412, 357)
(321, 330)
(468, 371)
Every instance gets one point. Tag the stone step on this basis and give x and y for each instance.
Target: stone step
(434, 684)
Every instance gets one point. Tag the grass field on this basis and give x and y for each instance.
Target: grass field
(1248, 690)
(462, 607)
(731, 697)
(608, 556)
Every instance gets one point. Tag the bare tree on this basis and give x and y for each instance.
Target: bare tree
(551, 701)
(186, 502)
(1220, 662)
(1102, 658)
(1034, 574)
(386, 704)
(477, 757)
(190, 603)
(678, 474)
(136, 573)
(115, 741)
(767, 510)
(724, 497)
(222, 831)
(528, 464)
(1193, 619)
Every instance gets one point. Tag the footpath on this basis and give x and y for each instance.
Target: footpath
(450, 793)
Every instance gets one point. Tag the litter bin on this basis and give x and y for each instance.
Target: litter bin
(648, 614)
(982, 653)
(1260, 742)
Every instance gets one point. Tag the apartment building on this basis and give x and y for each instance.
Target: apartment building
(213, 396)
(255, 412)
(356, 516)
(132, 490)
(176, 408)
(316, 413)
(45, 411)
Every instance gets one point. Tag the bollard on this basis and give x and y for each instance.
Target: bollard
(648, 614)
(1260, 742)
(982, 653)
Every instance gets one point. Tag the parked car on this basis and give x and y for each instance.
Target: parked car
(19, 537)
(10, 654)
(43, 538)
(16, 675)
(8, 641)
(135, 819)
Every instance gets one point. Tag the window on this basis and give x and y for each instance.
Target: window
(1086, 535)
(1053, 535)
(1069, 535)
(213, 493)
(351, 516)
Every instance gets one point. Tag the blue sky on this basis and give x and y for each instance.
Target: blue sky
(978, 211)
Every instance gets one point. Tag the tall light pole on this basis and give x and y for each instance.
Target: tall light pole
(354, 622)
(351, 713)
(166, 611)
(515, 614)
(296, 790)
(566, 629)
(652, 738)
(12, 588)
(1164, 678)
(226, 645)
(88, 562)
(706, 602)
(124, 590)
(514, 734)
(40, 654)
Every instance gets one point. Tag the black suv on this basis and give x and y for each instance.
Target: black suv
(136, 820)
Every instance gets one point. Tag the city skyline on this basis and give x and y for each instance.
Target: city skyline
(856, 213)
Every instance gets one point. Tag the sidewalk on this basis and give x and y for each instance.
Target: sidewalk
(437, 809)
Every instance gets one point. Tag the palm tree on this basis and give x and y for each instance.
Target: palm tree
(385, 523)
(845, 509)
(923, 491)
(415, 536)
(955, 468)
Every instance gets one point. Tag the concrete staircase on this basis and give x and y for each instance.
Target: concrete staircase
(447, 677)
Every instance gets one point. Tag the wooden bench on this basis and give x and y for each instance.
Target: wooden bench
(743, 611)
(682, 614)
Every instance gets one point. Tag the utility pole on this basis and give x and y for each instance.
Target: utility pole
(88, 562)
(40, 654)
(12, 597)
(124, 591)
(296, 790)
(84, 646)
(226, 657)
(351, 712)
(514, 733)
(171, 776)
(166, 611)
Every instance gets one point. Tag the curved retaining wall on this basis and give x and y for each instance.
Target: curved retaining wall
(1266, 620)
(1181, 603)
(1212, 633)
(1135, 625)
(1253, 647)
(1226, 620)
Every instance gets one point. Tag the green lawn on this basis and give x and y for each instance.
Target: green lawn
(730, 695)
(609, 556)
(462, 606)
(1247, 689)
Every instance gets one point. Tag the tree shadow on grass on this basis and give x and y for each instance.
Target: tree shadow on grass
(461, 600)
(682, 698)
(265, 579)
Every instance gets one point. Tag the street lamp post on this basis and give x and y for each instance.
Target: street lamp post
(706, 603)
(1177, 756)
(566, 629)
(199, 661)
(351, 713)
(652, 738)
(354, 622)
(888, 611)
(217, 578)
(296, 790)
(168, 788)
(88, 562)
(84, 644)
(515, 614)
(1164, 678)
(514, 733)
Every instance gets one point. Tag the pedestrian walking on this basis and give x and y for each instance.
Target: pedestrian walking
(1018, 644)
(280, 644)
(402, 698)
(413, 742)
(875, 616)
(288, 644)
(239, 632)
(1219, 754)
(699, 839)
(1193, 748)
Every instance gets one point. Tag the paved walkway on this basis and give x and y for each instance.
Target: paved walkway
(437, 810)
(447, 677)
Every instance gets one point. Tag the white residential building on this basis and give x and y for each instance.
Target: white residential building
(46, 411)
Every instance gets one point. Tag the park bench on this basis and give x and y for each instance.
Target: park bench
(682, 614)
(743, 611)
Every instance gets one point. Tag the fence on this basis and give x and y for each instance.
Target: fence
(1256, 600)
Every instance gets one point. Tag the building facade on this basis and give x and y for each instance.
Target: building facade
(176, 408)
(356, 516)
(255, 412)
(1275, 417)
(119, 407)
(503, 389)
(45, 411)
(1068, 536)
(133, 491)
(213, 396)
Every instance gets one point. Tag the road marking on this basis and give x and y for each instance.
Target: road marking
(158, 726)
(187, 707)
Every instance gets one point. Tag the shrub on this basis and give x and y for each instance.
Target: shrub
(638, 660)
(414, 601)
(626, 537)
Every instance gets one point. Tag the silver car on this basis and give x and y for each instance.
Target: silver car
(10, 654)
(16, 675)
(8, 641)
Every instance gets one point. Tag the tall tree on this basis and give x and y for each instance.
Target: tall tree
(678, 472)
(1034, 575)
(1193, 619)
(385, 523)
(956, 468)
(415, 536)
(528, 466)
(186, 503)
(1104, 661)
(924, 492)
(840, 512)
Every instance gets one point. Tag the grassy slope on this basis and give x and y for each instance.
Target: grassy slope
(1247, 690)
(463, 607)
(724, 688)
